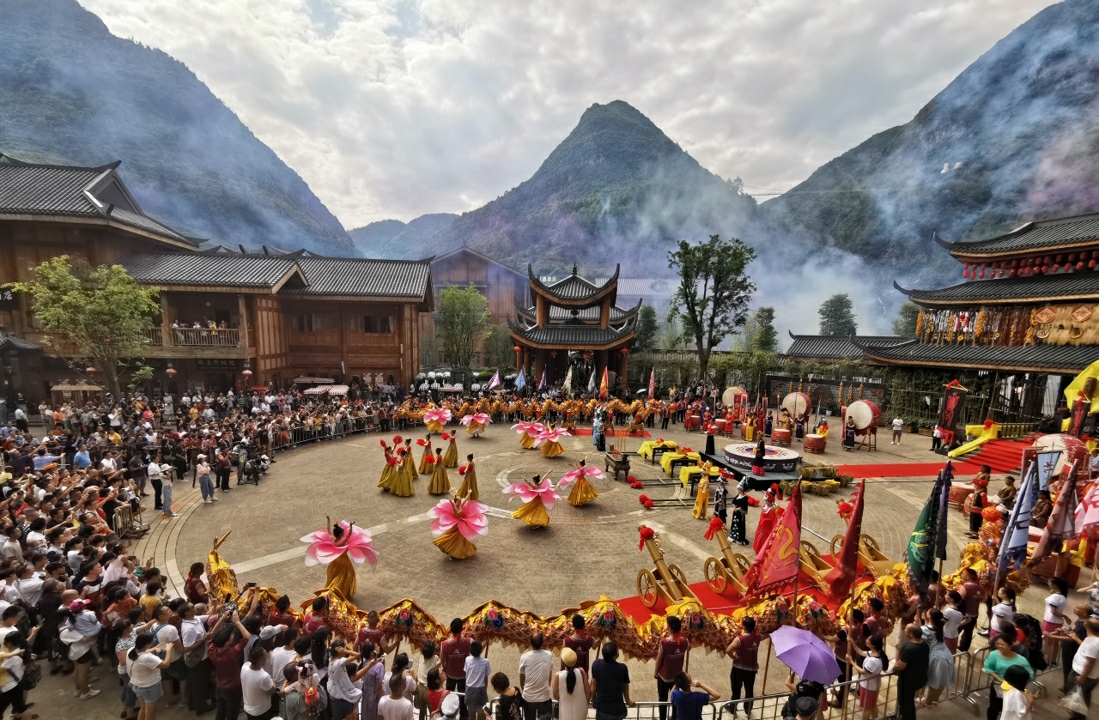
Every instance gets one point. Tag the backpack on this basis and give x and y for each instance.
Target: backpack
(32, 673)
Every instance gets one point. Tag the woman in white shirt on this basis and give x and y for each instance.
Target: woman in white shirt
(143, 666)
(572, 700)
(11, 660)
(344, 691)
(1053, 618)
(1002, 613)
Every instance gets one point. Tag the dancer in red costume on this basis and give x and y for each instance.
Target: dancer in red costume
(768, 514)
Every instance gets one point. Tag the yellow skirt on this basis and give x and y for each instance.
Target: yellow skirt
(468, 488)
(425, 467)
(440, 481)
(552, 448)
(409, 466)
(341, 577)
(402, 484)
(582, 493)
(453, 544)
(389, 474)
(533, 513)
(702, 503)
(434, 426)
(475, 427)
(450, 457)
(748, 434)
(526, 441)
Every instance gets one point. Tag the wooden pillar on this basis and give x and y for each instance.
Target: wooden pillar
(539, 366)
(622, 384)
(605, 313)
(242, 308)
(166, 320)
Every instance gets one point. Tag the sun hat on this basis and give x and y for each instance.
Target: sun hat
(450, 705)
(568, 657)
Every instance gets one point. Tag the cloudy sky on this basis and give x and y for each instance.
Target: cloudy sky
(395, 108)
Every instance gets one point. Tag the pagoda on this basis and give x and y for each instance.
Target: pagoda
(1027, 310)
(573, 322)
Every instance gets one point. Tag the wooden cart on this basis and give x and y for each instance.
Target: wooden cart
(870, 555)
(665, 582)
(813, 564)
(727, 570)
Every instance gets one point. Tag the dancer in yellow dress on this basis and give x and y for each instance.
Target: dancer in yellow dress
(457, 522)
(409, 459)
(538, 497)
(550, 441)
(440, 481)
(341, 547)
(468, 489)
(427, 457)
(527, 432)
(582, 491)
(402, 484)
(389, 472)
(450, 458)
(702, 499)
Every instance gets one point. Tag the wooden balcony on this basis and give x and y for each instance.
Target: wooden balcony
(195, 343)
(205, 337)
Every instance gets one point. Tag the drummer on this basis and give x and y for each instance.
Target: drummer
(849, 434)
(799, 429)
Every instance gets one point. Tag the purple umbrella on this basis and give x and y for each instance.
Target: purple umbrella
(806, 654)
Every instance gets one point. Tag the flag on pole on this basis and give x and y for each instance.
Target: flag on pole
(944, 506)
(591, 383)
(1061, 525)
(922, 543)
(843, 575)
(494, 382)
(521, 379)
(1047, 463)
(1087, 515)
(567, 387)
(779, 559)
(652, 384)
(542, 382)
(1013, 547)
(603, 386)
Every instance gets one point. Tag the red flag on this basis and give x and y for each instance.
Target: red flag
(603, 386)
(779, 559)
(842, 577)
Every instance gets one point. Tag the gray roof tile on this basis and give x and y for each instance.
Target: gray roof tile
(1062, 359)
(208, 270)
(352, 276)
(144, 222)
(1082, 285)
(829, 347)
(572, 335)
(47, 190)
(1037, 235)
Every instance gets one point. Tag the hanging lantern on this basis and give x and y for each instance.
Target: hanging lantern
(625, 351)
(246, 373)
(91, 370)
(1091, 264)
(1079, 265)
(553, 354)
(171, 371)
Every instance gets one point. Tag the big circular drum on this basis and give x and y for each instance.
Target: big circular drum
(865, 414)
(781, 436)
(814, 443)
(797, 404)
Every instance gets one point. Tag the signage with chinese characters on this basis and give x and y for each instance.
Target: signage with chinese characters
(9, 299)
(216, 365)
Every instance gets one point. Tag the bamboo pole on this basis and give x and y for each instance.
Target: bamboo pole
(767, 663)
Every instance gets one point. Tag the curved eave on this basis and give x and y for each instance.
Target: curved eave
(620, 342)
(940, 242)
(963, 254)
(898, 288)
(596, 296)
(1007, 367)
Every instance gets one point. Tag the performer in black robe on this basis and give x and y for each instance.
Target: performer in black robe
(738, 518)
(799, 429)
(721, 499)
(849, 434)
(758, 467)
(768, 425)
(601, 439)
(710, 439)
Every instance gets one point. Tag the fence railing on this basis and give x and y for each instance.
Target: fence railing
(154, 336)
(206, 337)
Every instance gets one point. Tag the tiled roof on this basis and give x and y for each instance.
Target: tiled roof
(144, 222)
(352, 276)
(1081, 285)
(48, 190)
(647, 288)
(566, 336)
(573, 287)
(1061, 359)
(618, 314)
(207, 270)
(1036, 235)
(11, 342)
(832, 347)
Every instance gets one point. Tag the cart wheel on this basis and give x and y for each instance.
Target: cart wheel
(742, 562)
(715, 574)
(837, 545)
(871, 543)
(677, 574)
(647, 587)
(810, 548)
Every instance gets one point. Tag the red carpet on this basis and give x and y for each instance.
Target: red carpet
(894, 470)
(586, 432)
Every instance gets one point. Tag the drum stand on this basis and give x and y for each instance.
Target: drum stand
(870, 440)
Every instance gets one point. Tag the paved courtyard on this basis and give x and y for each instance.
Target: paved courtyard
(585, 551)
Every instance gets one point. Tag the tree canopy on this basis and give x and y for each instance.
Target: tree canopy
(714, 291)
(646, 327)
(498, 347)
(463, 321)
(765, 338)
(837, 316)
(905, 324)
(99, 314)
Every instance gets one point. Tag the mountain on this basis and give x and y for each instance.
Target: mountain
(70, 92)
(1014, 137)
(404, 241)
(616, 189)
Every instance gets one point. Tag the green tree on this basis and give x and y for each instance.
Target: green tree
(837, 316)
(766, 338)
(714, 291)
(646, 327)
(499, 350)
(99, 314)
(463, 319)
(429, 350)
(905, 324)
(671, 336)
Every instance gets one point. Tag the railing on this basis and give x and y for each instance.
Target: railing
(154, 336)
(1011, 431)
(206, 337)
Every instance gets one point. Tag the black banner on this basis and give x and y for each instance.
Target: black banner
(950, 419)
(9, 299)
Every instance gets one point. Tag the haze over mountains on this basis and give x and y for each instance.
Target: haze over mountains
(1015, 136)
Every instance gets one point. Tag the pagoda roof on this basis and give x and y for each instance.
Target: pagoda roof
(836, 347)
(1059, 359)
(1066, 233)
(563, 336)
(1007, 291)
(588, 314)
(574, 291)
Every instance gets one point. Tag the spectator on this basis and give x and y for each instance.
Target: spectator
(13, 657)
(1085, 665)
(395, 706)
(687, 702)
(1018, 701)
(454, 652)
(940, 671)
(610, 685)
(911, 666)
(509, 701)
(570, 688)
(671, 658)
(143, 666)
(225, 652)
(535, 668)
(426, 661)
(256, 686)
(870, 672)
(477, 670)
(744, 650)
(996, 664)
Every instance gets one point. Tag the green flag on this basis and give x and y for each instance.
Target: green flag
(921, 546)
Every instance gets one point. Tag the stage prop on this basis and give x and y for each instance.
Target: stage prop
(777, 460)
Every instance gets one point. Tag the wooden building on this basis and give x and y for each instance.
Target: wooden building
(573, 322)
(278, 315)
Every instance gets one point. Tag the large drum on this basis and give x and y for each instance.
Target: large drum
(781, 436)
(735, 399)
(814, 443)
(865, 414)
(798, 405)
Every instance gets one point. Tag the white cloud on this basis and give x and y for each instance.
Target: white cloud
(395, 108)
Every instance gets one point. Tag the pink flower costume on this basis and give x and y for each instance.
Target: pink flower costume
(538, 497)
(527, 430)
(582, 491)
(549, 439)
(341, 549)
(456, 524)
(436, 418)
(475, 423)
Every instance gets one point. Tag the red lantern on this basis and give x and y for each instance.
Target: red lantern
(171, 371)
(625, 351)
(517, 348)
(1045, 269)
(1079, 265)
(1058, 258)
(247, 373)
(1091, 264)
(1011, 272)
(982, 274)
(91, 370)
(553, 354)
(1072, 257)
(965, 266)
